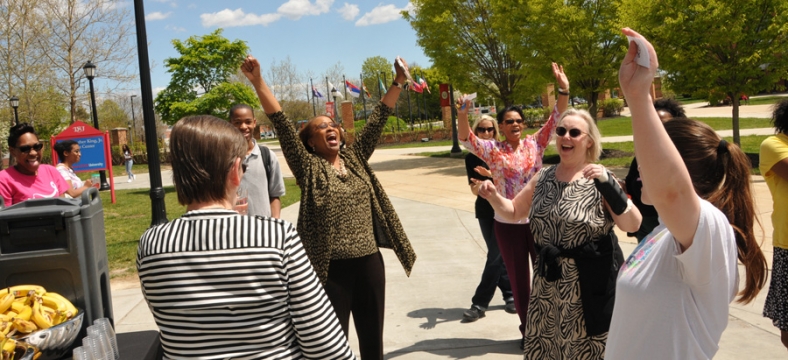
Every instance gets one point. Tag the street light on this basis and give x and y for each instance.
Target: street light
(15, 104)
(133, 120)
(90, 73)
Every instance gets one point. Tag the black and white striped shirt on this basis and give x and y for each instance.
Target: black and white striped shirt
(221, 285)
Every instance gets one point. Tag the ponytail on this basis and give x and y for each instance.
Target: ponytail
(720, 174)
(734, 198)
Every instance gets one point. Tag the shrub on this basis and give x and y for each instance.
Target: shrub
(612, 107)
(533, 117)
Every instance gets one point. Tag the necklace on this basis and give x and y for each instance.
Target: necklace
(341, 171)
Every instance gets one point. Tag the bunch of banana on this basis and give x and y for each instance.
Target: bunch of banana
(28, 308)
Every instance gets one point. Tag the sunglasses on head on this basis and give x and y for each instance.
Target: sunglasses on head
(512, 121)
(26, 148)
(325, 125)
(561, 131)
(485, 129)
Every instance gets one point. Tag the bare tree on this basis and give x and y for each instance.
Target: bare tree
(82, 30)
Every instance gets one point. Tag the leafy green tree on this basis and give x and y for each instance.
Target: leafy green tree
(111, 115)
(732, 47)
(200, 78)
(461, 38)
(373, 68)
(583, 36)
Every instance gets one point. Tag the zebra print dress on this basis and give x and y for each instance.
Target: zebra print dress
(566, 215)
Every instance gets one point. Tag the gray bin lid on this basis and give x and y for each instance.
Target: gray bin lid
(52, 207)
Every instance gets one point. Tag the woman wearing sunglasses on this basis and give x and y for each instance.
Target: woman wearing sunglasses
(494, 273)
(345, 215)
(513, 162)
(572, 208)
(28, 179)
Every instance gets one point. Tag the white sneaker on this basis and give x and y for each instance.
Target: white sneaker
(129, 180)
(134, 176)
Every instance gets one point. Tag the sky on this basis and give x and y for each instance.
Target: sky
(315, 34)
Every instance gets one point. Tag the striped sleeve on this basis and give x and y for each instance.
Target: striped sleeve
(317, 329)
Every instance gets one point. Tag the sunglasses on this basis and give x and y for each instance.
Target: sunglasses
(486, 129)
(561, 131)
(325, 125)
(26, 148)
(512, 121)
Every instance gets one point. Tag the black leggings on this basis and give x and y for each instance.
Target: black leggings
(358, 285)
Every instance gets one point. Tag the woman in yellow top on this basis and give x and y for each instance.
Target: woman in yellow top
(774, 167)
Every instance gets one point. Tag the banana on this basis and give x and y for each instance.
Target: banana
(5, 302)
(10, 313)
(55, 303)
(5, 327)
(42, 320)
(24, 326)
(9, 345)
(23, 311)
(23, 290)
(62, 300)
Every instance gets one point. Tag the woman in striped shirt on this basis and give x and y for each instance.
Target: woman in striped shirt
(222, 285)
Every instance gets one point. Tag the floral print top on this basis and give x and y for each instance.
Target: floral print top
(512, 168)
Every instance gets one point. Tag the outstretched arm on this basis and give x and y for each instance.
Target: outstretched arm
(666, 181)
(368, 137)
(545, 134)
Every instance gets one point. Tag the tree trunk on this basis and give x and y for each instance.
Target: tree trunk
(592, 104)
(735, 102)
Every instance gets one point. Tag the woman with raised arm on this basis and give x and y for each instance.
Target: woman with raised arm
(513, 162)
(345, 216)
(674, 289)
(774, 167)
(572, 207)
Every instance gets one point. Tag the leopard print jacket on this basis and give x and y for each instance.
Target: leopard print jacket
(320, 217)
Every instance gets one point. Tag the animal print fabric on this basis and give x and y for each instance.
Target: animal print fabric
(566, 215)
(323, 221)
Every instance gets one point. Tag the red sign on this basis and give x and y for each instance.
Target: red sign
(330, 109)
(444, 91)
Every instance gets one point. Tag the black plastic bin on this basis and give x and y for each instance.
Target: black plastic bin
(59, 244)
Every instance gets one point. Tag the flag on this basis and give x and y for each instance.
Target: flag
(423, 83)
(316, 93)
(416, 87)
(366, 91)
(382, 87)
(334, 92)
(353, 90)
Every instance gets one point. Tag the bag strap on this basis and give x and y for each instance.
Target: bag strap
(265, 155)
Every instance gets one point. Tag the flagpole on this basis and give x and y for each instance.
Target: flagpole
(344, 82)
(410, 110)
(455, 144)
(426, 111)
(314, 110)
(328, 93)
(363, 96)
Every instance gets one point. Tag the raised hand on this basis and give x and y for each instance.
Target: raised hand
(560, 77)
(463, 109)
(486, 188)
(251, 68)
(595, 171)
(635, 80)
(403, 73)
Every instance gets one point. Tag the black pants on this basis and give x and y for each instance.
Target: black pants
(358, 286)
(494, 273)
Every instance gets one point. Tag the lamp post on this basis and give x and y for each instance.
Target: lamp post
(90, 73)
(133, 120)
(15, 104)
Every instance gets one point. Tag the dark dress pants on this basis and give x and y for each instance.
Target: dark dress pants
(516, 243)
(494, 273)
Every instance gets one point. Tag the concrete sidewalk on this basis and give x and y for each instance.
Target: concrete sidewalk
(424, 312)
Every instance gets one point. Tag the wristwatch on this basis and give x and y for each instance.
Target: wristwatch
(401, 86)
(563, 92)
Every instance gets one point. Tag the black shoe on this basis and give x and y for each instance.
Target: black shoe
(473, 314)
(510, 308)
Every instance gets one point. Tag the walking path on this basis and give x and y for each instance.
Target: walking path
(424, 312)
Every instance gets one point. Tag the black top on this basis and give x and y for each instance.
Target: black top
(634, 186)
(483, 208)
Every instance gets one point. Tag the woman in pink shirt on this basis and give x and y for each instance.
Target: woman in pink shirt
(513, 162)
(28, 179)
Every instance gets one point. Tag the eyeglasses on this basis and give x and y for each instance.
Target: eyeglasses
(325, 125)
(512, 121)
(26, 148)
(486, 129)
(561, 131)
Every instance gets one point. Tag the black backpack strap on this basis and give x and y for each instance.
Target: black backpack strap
(265, 155)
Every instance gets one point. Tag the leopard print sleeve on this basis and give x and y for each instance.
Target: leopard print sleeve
(298, 159)
(368, 137)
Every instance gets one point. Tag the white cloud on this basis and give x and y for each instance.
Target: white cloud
(174, 28)
(237, 17)
(295, 9)
(349, 11)
(158, 15)
(382, 14)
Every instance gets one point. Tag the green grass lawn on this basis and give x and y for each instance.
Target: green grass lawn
(619, 126)
(766, 100)
(130, 216)
(120, 170)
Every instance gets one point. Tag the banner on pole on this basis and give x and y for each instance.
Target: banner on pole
(330, 109)
(444, 90)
